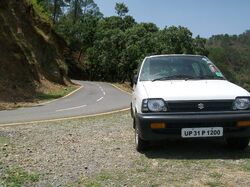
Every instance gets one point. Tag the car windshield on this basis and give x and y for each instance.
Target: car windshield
(179, 67)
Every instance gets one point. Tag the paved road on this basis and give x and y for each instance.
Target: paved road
(93, 98)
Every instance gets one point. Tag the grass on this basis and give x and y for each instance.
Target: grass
(17, 177)
(213, 184)
(55, 94)
(166, 173)
(124, 86)
(3, 141)
(215, 175)
(98, 181)
(46, 93)
(180, 164)
(40, 11)
(214, 180)
(246, 165)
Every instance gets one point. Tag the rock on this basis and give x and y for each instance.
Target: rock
(155, 163)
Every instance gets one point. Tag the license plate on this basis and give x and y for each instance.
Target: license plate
(201, 132)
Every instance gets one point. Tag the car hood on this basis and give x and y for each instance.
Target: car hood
(193, 90)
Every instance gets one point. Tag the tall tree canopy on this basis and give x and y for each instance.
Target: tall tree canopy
(54, 7)
(78, 8)
(121, 9)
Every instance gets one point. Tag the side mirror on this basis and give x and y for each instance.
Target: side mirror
(135, 79)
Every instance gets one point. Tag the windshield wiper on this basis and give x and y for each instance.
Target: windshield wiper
(211, 77)
(174, 77)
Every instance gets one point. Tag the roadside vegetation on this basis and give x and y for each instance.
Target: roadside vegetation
(17, 177)
(55, 93)
(232, 54)
(126, 86)
(111, 48)
(99, 151)
(43, 94)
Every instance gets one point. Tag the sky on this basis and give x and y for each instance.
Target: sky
(201, 17)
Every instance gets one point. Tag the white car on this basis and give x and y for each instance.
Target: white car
(186, 96)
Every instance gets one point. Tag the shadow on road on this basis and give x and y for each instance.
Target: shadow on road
(192, 150)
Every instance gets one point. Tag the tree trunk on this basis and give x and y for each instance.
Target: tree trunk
(75, 11)
(80, 55)
(55, 11)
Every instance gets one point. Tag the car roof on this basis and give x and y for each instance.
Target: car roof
(181, 55)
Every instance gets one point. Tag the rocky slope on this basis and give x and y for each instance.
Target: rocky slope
(32, 55)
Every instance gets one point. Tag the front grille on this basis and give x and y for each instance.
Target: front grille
(200, 106)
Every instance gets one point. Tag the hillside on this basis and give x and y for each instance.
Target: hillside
(232, 55)
(32, 54)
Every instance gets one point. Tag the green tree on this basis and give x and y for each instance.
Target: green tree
(121, 9)
(104, 60)
(200, 46)
(54, 8)
(80, 7)
(175, 40)
(128, 22)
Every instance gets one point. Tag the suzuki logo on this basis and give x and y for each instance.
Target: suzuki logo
(201, 106)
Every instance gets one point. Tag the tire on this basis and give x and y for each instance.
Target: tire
(134, 123)
(131, 111)
(140, 144)
(237, 143)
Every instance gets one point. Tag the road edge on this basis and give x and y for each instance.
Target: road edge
(120, 89)
(68, 118)
(69, 94)
(63, 119)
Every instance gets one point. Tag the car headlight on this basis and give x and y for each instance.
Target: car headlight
(241, 103)
(153, 105)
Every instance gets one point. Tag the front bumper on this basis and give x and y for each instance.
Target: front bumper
(176, 121)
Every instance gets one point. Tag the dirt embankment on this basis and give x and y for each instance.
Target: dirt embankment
(31, 53)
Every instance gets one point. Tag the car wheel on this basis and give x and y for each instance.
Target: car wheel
(141, 145)
(238, 143)
(131, 111)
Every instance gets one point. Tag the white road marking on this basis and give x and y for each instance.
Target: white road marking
(102, 90)
(82, 106)
(99, 99)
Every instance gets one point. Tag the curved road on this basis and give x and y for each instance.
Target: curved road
(92, 98)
